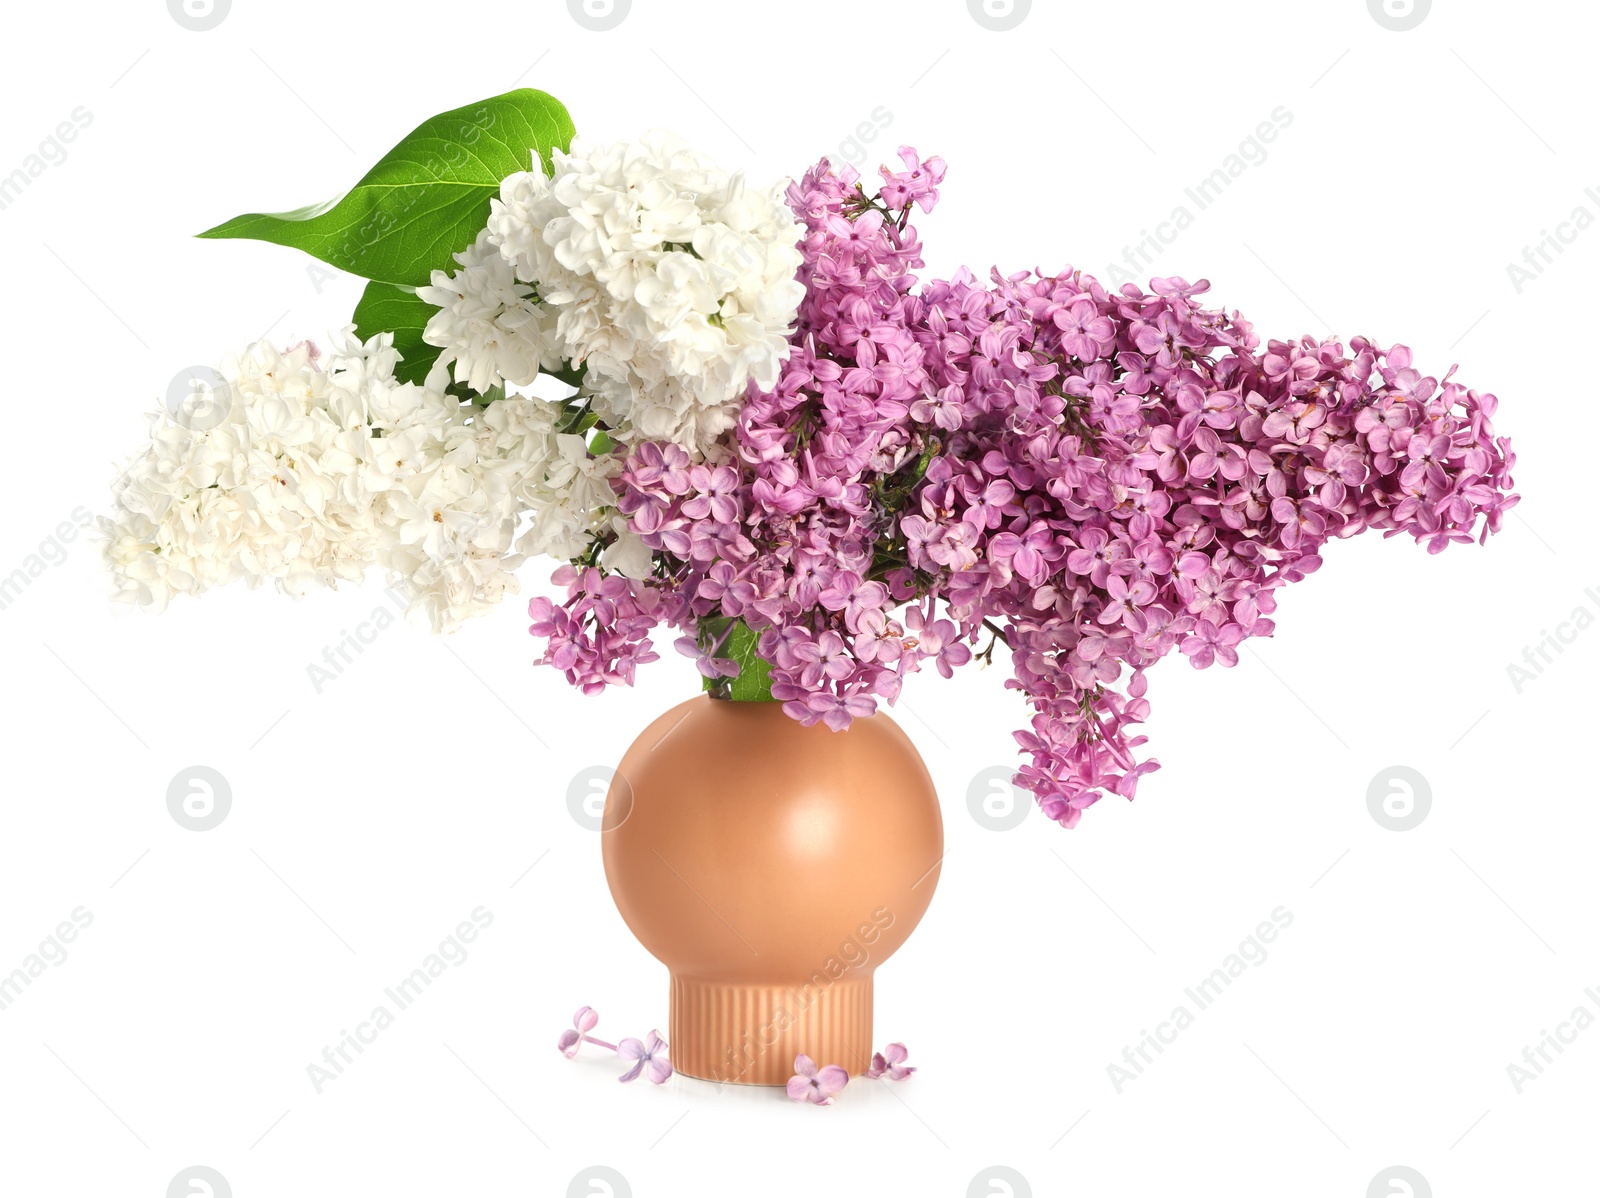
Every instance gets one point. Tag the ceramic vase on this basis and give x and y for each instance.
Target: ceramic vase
(772, 868)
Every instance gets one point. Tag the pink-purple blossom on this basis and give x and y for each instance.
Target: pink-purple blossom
(891, 1063)
(1088, 477)
(811, 1084)
(648, 1055)
(573, 1037)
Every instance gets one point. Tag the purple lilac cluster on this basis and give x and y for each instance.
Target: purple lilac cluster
(1091, 478)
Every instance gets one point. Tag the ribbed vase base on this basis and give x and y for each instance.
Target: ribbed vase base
(749, 1034)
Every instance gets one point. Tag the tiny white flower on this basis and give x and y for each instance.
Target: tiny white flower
(487, 323)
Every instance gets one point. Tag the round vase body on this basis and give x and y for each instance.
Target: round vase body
(772, 868)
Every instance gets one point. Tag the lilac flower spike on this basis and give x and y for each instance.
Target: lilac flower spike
(890, 1063)
(810, 1084)
(575, 1036)
(651, 1055)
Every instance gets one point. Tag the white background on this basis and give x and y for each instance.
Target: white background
(431, 777)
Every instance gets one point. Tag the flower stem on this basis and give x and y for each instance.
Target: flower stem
(599, 1043)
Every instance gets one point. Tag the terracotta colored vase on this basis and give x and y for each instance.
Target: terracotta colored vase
(772, 868)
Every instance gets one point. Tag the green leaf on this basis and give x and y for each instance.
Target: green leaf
(428, 198)
(385, 308)
(493, 395)
(569, 374)
(737, 640)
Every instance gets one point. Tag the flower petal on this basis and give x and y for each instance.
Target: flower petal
(805, 1066)
(632, 1073)
(659, 1069)
(799, 1089)
(630, 1049)
(568, 1044)
(585, 1019)
(832, 1079)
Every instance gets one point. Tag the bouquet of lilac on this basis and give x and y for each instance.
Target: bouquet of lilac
(737, 412)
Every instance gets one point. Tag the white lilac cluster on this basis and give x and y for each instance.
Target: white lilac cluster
(310, 474)
(670, 280)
